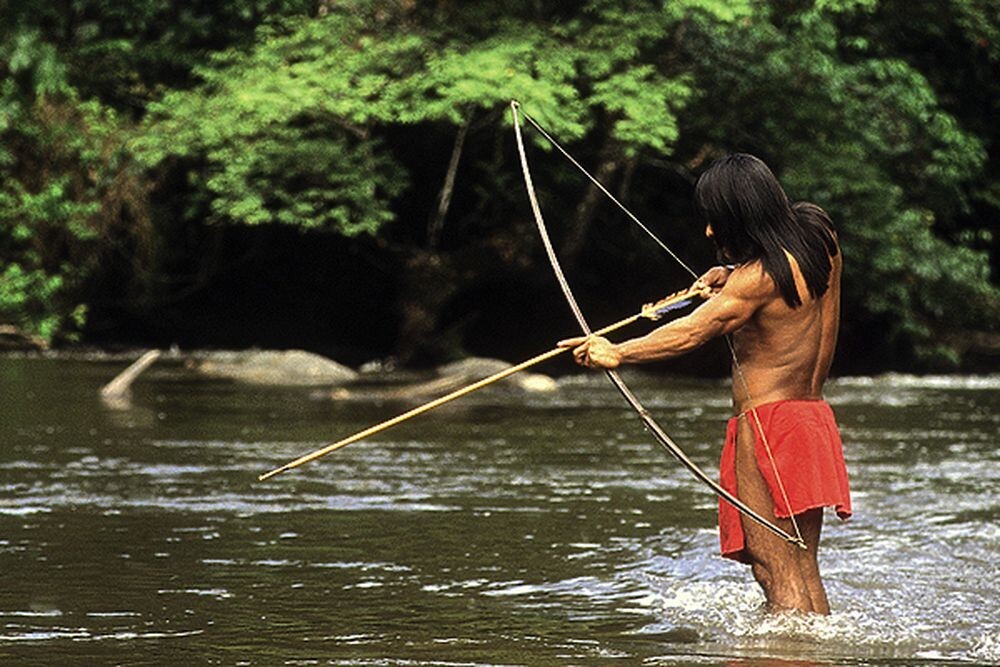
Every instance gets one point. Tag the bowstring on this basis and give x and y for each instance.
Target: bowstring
(600, 186)
(729, 341)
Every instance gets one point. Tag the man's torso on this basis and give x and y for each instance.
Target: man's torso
(783, 352)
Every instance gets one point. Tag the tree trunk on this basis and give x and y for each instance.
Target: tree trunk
(444, 198)
(428, 285)
(586, 210)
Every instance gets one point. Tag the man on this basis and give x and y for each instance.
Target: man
(780, 300)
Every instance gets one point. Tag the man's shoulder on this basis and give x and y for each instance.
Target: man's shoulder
(750, 280)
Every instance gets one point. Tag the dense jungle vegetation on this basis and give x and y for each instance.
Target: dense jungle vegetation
(342, 176)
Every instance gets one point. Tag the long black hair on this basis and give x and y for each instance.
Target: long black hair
(752, 219)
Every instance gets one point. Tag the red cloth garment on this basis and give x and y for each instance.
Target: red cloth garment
(808, 453)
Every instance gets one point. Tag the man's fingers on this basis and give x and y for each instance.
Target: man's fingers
(698, 286)
(572, 342)
(581, 348)
(715, 277)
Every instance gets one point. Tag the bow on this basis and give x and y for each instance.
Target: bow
(647, 419)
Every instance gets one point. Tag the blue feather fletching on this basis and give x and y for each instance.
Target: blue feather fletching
(663, 310)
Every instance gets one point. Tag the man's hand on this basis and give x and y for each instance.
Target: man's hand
(593, 351)
(712, 281)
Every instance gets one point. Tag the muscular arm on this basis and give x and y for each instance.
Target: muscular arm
(726, 312)
(746, 290)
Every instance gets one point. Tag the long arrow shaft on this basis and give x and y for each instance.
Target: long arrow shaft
(458, 393)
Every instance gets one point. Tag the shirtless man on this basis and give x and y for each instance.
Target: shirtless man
(780, 300)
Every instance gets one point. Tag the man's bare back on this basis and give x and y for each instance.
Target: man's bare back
(785, 353)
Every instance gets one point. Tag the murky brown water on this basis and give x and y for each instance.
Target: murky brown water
(546, 530)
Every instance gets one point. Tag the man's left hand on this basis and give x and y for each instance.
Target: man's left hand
(593, 352)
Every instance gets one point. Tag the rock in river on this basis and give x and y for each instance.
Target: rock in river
(460, 373)
(288, 368)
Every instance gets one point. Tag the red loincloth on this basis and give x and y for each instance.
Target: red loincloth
(807, 451)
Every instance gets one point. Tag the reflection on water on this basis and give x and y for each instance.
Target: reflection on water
(498, 530)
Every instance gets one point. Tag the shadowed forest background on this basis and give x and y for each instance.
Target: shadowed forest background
(341, 176)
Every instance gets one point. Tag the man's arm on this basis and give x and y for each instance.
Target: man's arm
(745, 291)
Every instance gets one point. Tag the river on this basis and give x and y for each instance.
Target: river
(503, 529)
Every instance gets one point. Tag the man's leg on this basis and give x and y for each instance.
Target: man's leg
(810, 523)
(776, 565)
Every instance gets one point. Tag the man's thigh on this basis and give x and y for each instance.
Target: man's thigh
(762, 545)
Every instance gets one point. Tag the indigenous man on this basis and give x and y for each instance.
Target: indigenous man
(780, 299)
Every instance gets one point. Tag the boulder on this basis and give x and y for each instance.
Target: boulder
(278, 368)
(473, 367)
(461, 373)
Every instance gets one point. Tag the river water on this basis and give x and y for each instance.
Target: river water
(501, 530)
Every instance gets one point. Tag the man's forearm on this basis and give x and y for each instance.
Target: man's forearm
(669, 341)
(721, 314)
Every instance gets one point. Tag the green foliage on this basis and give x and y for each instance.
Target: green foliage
(59, 188)
(70, 194)
(866, 137)
(310, 100)
(342, 78)
(520, 62)
(643, 102)
(26, 297)
(269, 112)
(43, 205)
